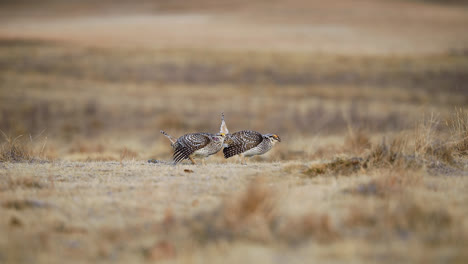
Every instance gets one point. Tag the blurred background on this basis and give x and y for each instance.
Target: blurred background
(87, 80)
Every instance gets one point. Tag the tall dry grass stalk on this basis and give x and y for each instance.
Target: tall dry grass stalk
(458, 125)
(14, 150)
(18, 149)
(429, 144)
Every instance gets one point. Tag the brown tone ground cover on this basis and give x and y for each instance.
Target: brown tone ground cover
(369, 98)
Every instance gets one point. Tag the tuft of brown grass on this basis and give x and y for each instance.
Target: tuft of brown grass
(429, 148)
(429, 144)
(458, 125)
(338, 166)
(391, 155)
(14, 150)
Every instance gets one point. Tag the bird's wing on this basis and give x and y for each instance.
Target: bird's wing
(187, 144)
(242, 141)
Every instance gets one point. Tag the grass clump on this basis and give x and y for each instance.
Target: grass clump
(20, 150)
(458, 124)
(429, 145)
(339, 165)
(13, 150)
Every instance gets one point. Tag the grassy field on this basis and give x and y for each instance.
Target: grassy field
(370, 105)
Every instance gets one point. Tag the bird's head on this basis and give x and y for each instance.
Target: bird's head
(273, 138)
(219, 137)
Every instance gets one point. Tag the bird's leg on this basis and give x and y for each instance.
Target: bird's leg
(193, 161)
(203, 162)
(242, 159)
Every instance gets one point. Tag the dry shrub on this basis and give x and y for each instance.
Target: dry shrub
(253, 215)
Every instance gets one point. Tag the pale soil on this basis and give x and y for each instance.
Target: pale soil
(135, 212)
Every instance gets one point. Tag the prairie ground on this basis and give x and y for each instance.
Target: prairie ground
(264, 212)
(368, 97)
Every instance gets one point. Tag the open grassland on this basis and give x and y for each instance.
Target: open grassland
(397, 200)
(393, 202)
(98, 103)
(372, 165)
(369, 100)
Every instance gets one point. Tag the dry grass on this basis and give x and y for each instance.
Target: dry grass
(372, 166)
(113, 207)
(77, 93)
(142, 213)
(428, 145)
(459, 131)
(14, 150)
(18, 149)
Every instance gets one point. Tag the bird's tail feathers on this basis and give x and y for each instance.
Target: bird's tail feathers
(223, 128)
(172, 139)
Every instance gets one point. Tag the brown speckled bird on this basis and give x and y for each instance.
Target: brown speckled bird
(193, 145)
(247, 143)
(197, 144)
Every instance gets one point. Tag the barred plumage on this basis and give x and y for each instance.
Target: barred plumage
(248, 143)
(195, 145)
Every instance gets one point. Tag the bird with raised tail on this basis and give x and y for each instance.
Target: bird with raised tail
(196, 145)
